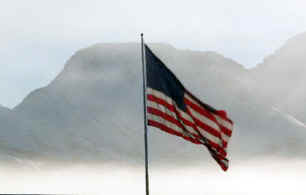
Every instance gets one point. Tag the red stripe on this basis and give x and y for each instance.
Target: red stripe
(222, 114)
(219, 158)
(173, 109)
(186, 122)
(220, 149)
(207, 128)
(170, 107)
(226, 131)
(164, 116)
(200, 110)
(174, 132)
(169, 118)
(224, 144)
(213, 144)
(223, 166)
(176, 122)
(161, 101)
(171, 131)
(153, 98)
(206, 114)
(220, 162)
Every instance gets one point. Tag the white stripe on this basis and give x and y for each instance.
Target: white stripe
(166, 123)
(205, 120)
(209, 136)
(160, 108)
(223, 122)
(191, 99)
(225, 162)
(160, 95)
(169, 112)
(204, 133)
(187, 117)
(211, 123)
(224, 136)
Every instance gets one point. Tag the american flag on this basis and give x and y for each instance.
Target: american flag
(173, 109)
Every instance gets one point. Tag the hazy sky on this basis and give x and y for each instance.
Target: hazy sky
(37, 37)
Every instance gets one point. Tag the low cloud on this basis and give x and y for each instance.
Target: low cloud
(264, 176)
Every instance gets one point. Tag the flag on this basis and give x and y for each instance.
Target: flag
(173, 109)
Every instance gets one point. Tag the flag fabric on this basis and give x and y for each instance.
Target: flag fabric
(173, 109)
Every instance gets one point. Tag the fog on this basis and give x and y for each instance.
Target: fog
(261, 176)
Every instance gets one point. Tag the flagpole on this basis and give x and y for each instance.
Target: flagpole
(145, 112)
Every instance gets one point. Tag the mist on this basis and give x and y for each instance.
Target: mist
(261, 176)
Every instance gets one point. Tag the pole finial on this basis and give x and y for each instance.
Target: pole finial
(141, 34)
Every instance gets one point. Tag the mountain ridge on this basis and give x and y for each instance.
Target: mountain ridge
(92, 111)
(280, 78)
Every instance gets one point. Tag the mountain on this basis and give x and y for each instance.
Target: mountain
(92, 111)
(16, 141)
(281, 78)
(4, 110)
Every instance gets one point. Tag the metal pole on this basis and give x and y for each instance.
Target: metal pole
(145, 112)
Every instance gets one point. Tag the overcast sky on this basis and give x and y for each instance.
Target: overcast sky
(37, 37)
